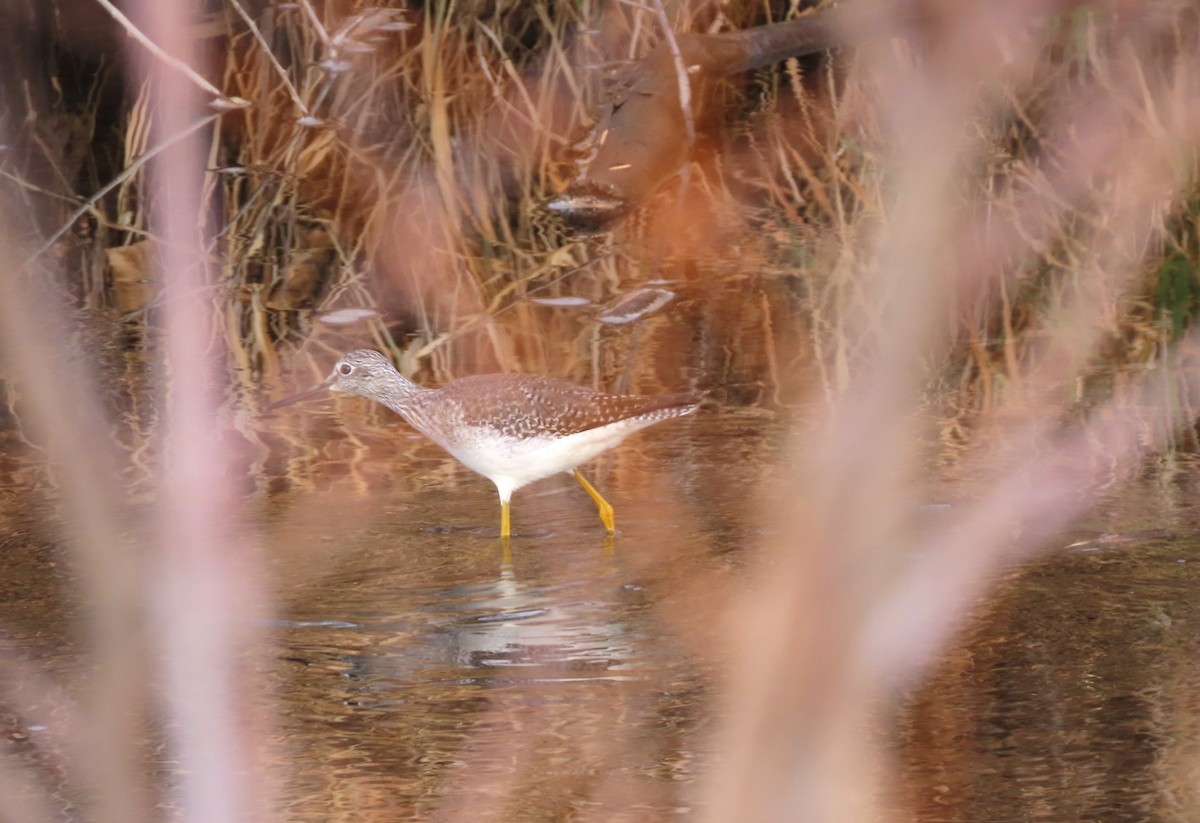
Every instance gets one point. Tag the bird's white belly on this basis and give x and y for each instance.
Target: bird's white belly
(513, 463)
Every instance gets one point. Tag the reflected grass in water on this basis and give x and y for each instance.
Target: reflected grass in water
(1072, 695)
(528, 685)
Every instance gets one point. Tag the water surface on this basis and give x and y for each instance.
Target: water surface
(422, 672)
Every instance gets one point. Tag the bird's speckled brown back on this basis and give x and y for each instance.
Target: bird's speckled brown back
(527, 405)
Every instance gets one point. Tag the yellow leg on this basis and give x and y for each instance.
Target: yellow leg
(606, 509)
(505, 520)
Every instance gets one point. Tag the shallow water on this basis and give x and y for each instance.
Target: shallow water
(1074, 694)
(432, 672)
(422, 672)
(424, 668)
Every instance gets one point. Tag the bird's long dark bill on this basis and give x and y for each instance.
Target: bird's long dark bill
(304, 395)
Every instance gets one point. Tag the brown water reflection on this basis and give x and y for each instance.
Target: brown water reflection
(422, 674)
(1073, 695)
(427, 673)
(425, 676)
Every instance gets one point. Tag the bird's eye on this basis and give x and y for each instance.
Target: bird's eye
(344, 369)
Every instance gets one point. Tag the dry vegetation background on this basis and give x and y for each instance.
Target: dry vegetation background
(985, 227)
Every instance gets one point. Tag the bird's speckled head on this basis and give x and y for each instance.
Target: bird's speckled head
(364, 372)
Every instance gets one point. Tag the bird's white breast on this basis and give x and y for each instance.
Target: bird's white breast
(511, 463)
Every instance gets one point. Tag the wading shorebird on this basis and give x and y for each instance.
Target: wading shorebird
(511, 428)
